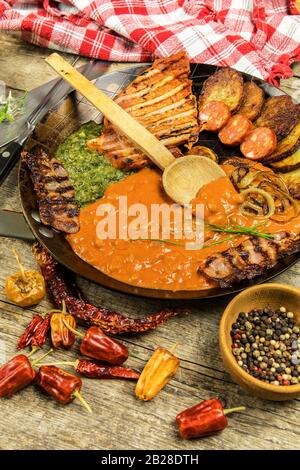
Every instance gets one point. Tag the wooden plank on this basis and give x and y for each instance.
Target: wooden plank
(22, 65)
(31, 420)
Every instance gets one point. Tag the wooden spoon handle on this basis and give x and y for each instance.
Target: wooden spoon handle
(138, 134)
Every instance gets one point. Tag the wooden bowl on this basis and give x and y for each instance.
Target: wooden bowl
(261, 296)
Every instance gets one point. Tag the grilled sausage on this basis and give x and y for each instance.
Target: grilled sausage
(260, 143)
(235, 130)
(213, 116)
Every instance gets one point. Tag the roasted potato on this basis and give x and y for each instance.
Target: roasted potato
(290, 163)
(252, 102)
(292, 180)
(225, 85)
(280, 114)
(286, 147)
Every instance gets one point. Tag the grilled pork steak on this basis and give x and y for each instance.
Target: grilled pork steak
(55, 194)
(161, 99)
(251, 258)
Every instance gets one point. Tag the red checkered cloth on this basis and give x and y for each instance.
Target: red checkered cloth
(259, 37)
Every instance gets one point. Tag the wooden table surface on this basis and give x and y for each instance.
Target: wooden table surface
(31, 420)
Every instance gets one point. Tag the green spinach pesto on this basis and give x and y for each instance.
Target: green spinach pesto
(90, 172)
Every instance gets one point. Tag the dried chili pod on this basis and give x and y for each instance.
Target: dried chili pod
(26, 337)
(161, 366)
(61, 385)
(40, 336)
(16, 374)
(25, 288)
(96, 370)
(111, 322)
(204, 419)
(99, 346)
(61, 335)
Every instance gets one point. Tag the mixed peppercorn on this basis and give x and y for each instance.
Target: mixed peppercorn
(266, 344)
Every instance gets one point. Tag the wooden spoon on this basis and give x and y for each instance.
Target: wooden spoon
(182, 177)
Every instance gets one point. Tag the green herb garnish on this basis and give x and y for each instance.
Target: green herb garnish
(170, 242)
(12, 107)
(240, 230)
(234, 229)
(89, 172)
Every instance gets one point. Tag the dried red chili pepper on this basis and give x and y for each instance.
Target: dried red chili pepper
(204, 419)
(62, 336)
(96, 370)
(109, 321)
(16, 374)
(98, 345)
(61, 385)
(26, 338)
(41, 333)
(92, 370)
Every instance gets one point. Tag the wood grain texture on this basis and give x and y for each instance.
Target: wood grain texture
(31, 420)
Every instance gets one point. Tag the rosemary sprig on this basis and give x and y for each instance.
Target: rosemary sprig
(12, 107)
(4, 113)
(240, 230)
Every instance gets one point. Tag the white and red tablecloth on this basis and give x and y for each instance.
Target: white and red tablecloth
(260, 37)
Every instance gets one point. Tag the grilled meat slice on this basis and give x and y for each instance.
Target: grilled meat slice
(251, 258)
(161, 100)
(55, 194)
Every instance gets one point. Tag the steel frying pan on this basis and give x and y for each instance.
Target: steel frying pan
(69, 115)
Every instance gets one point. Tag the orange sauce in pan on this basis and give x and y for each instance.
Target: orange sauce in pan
(155, 264)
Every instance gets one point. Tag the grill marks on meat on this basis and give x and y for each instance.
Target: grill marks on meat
(55, 194)
(251, 258)
(161, 100)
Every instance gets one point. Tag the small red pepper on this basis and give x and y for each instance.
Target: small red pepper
(26, 338)
(61, 385)
(204, 419)
(16, 375)
(99, 346)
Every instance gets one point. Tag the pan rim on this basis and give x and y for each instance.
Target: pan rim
(92, 274)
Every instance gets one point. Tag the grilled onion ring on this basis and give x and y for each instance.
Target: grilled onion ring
(268, 198)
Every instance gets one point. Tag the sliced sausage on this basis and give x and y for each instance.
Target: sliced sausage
(213, 116)
(235, 130)
(260, 143)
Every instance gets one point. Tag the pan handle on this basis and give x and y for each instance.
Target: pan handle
(8, 158)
